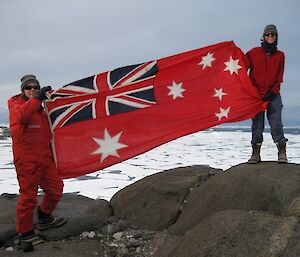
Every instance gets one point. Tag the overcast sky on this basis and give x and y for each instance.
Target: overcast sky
(61, 41)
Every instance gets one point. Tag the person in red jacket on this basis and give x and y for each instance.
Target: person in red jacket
(266, 73)
(33, 159)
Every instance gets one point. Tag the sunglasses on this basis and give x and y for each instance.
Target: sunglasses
(31, 87)
(270, 34)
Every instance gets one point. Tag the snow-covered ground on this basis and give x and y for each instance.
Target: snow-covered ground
(216, 148)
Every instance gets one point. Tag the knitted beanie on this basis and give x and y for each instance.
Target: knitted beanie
(270, 29)
(27, 79)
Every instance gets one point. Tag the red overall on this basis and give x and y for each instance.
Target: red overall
(33, 159)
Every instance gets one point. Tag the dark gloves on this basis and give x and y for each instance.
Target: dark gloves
(41, 93)
(269, 96)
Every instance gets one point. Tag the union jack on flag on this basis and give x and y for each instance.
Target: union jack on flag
(121, 90)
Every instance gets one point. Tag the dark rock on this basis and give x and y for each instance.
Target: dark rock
(8, 203)
(9, 196)
(7, 234)
(234, 233)
(293, 247)
(99, 208)
(268, 187)
(82, 214)
(112, 252)
(148, 236)
(138, 235)
(122, 225)
(132, 242)
(154, 202)
(133, 226)
(112, 219)
(131, 250)
(75, 248)
(109, 229)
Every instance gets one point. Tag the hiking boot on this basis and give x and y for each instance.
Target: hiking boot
(27, 241)
(282, 152)
(46, 221)
(255, 158)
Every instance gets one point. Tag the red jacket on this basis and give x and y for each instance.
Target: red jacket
(29, 128)
(266, 71)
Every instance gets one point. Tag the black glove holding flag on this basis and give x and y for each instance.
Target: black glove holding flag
(42, 93)
(269, 96)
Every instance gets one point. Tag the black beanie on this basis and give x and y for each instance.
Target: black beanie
(27, 79)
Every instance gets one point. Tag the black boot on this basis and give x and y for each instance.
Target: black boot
(46, 221)
(255, 158)
(26, 241)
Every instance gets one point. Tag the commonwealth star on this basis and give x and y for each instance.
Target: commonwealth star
(108, 145)
(232, 66)
(207, 60)
(176, 90)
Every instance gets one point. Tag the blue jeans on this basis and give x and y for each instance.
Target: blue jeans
(273, 111)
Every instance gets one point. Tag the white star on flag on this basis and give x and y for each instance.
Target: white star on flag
(207, 60)
(223, 113)
(232, 66)
(109, 145)
(176, 90)
(219, 93)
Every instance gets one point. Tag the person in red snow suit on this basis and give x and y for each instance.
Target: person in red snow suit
(266, 73)
(33, 160)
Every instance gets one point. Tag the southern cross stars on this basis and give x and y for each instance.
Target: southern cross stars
(176, 90)
(108, 145)
(207, 60)
(223, 113)
(232, 66)
(219, 93)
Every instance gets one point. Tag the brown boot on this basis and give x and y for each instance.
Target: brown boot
(282, 152)
(255, 158)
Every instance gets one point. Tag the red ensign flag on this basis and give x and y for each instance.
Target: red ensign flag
(110, 117)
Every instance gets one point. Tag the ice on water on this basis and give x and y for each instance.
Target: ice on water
(217, 149)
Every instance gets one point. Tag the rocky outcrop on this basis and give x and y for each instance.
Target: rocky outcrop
(236, 233)
(249, 210)
(267, 187)
(156, 201)
(8, 203)
(81, 212)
